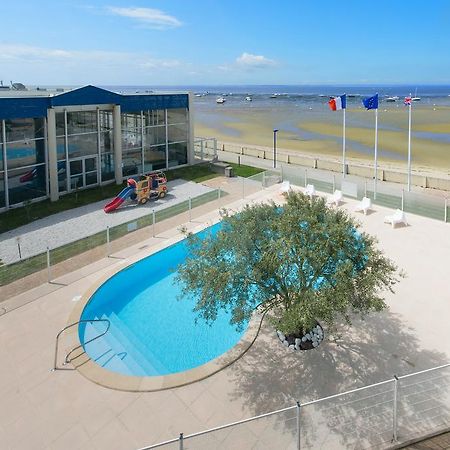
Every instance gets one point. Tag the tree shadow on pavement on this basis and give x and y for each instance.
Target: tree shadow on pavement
(271, 377)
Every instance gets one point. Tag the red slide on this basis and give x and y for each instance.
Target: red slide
(115, 203)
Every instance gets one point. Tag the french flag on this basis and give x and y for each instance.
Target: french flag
(338, 103)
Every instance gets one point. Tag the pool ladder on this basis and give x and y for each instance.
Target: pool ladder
(67, 359)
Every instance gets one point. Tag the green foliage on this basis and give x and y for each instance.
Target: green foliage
(241, 170)
(305, 262)
(197, 173)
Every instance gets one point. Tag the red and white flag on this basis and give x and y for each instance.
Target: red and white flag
(338, 103)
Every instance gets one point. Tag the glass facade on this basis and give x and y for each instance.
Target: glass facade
(25, 148)
(151, 140)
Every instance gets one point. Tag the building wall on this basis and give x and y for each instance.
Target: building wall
(150, 139)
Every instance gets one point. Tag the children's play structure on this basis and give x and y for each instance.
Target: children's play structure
(150, 186)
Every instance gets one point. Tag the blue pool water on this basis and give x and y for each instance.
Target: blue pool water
(152, 333)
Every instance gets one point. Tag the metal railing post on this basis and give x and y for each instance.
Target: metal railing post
(298, 426)
(48, 265)
(394, 411)
(153, 222)
(108, 249)
(18, 239)
(403, 198)
(190, 209)
(181, 441)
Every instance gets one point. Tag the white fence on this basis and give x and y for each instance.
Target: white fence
(378, 416)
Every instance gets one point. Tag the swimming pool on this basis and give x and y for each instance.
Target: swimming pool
(151, 332)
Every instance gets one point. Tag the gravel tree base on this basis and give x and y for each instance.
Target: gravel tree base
(306, 341)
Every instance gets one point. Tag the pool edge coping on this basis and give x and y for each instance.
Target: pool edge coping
(113, 380)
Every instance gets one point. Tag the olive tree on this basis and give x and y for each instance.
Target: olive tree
(305, 262)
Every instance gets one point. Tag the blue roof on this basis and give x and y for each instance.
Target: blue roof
(25, 107)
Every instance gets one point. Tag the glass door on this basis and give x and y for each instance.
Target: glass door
(90, 171)
(83, 172)
(76, 174)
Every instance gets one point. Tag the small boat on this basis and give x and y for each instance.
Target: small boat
(274, 95)
(248, 98)
(416, 99)
(392, 99)
(220, 100)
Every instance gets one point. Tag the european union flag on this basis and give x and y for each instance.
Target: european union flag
(371, 102)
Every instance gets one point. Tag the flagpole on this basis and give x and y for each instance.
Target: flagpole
(376, 155)
(343, 144)
(409, 146)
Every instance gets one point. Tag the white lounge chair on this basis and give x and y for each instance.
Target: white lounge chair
(310, 190)
(336, 198)
(285, 187)
(398, 217)
(364, 205)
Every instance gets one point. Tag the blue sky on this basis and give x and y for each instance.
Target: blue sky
(173, 42)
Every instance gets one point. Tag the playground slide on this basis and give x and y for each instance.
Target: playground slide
(115, 203)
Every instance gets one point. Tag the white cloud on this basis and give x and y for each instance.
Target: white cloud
(152, 18)
(250, 61)
(59, 66)
(18, 51)
(160, 64)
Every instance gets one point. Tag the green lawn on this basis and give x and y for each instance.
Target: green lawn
(14, 218)
(198, 173)
(245, 171)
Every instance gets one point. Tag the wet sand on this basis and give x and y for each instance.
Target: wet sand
(319, 132)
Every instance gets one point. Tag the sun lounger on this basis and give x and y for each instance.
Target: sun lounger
(285, 187)
(398, 217)
(336, 198)
(310, 190)
(364, 205)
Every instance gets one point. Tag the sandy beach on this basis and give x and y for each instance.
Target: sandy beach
(319, 132)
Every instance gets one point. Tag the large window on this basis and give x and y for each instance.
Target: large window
(155, 135)
(106, 145)
(81, 122)
(82, 133)
(154, 117)
(2, 190)
(2, 174)
(177, 133)
(165, 140)
(176, 116)
(26, 156)
(177, 154)
(155, 158)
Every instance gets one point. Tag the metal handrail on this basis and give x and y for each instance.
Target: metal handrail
(66, 361)
(183, 437)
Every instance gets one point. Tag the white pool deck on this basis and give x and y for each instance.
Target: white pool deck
(41, 409)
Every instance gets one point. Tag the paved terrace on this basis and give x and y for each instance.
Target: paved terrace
(53, 410)
(68, 226)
